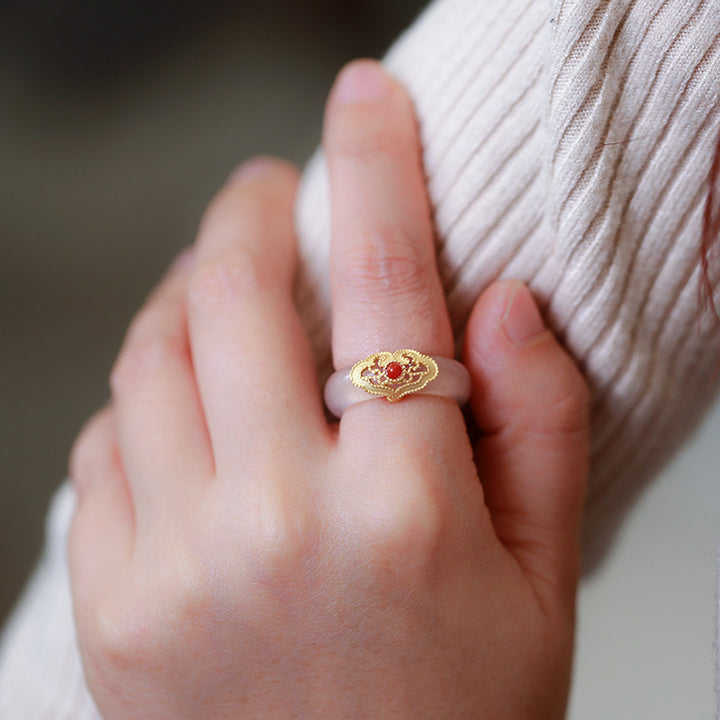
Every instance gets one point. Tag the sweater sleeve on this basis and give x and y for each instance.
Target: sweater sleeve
(567, 143)
(41, 676)
(570, 144)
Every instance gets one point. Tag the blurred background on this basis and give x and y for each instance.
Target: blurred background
(118, 121)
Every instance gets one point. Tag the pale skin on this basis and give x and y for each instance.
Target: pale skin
(234, 555)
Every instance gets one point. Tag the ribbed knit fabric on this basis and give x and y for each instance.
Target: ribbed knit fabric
(41, 676)
(568, 144)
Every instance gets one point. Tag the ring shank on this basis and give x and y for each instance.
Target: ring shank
(453, 381)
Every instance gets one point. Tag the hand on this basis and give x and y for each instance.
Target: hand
(233, 555)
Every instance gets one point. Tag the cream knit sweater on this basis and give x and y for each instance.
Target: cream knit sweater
(568, 143)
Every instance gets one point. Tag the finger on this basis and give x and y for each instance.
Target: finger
(386, 292)
(254, 364)
(532, 403)
(101, 537)
(161, 428)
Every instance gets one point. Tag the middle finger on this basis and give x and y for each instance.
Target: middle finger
(254, 364)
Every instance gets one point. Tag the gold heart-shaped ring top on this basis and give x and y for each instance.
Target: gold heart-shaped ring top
(394, 374)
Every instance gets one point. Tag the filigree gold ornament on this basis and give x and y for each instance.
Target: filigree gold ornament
(394, 374)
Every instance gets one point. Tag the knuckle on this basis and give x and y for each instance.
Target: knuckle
(388, 263)
(569, 409)
(225, 280)
(282, 539)
(187, 583)
(140, 627)
(565, 403)
(118, 639)
(143, 358)
(405, 525)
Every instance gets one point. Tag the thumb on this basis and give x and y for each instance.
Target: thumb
(532, 407)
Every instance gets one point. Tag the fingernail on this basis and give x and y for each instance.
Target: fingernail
(362, 81)
(251, 169)
(522, 320)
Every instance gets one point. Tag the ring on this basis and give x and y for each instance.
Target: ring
(395, 375)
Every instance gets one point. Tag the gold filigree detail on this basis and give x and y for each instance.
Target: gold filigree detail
(417, 371)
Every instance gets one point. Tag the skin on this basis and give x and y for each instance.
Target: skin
(234, 555)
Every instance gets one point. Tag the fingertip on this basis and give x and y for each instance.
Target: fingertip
(263, 167)
(518, 366)
(505, 317)
(369, 110)
(258, 193)
(362, 80)
(521, 322)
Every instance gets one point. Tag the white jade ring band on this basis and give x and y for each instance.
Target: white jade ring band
(395, 375)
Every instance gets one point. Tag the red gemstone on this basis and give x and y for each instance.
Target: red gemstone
(393, 370)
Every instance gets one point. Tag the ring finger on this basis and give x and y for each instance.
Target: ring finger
(386, 292)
